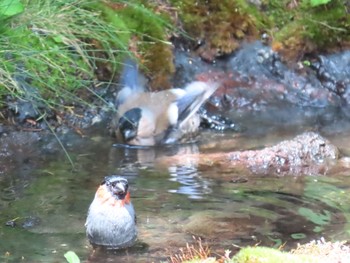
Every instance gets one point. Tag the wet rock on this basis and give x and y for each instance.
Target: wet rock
(24, 110)
(264, 80)
(11, 223)
(83, 118)
(31, 104)
(306, 154)
(295, 156)
(189, 66)
(25, 222)
(211, 225)
(334, 73)
(260, 79)
(30, 222)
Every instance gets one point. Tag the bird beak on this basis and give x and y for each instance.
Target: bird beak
(129, 135)
(120, 188)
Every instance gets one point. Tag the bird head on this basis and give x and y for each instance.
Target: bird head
(114, 190)
(129, 123)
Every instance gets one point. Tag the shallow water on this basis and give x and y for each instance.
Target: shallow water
(173, 203)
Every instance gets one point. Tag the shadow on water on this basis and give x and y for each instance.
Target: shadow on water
(46, 211)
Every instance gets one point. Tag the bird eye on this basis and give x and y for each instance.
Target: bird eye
(115, 183)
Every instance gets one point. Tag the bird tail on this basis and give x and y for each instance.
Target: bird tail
(129, 76)
(130, 80)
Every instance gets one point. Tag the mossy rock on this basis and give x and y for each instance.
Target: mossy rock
(305, 28)
(221, 25)
(271, 255)
(295, 28)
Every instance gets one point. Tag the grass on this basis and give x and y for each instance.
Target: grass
(193, 253)
(51, 51)
(42, 47)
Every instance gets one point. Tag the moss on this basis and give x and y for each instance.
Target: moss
(146, 35)
(154, 49)
(223, 25)
(302, 28)
(327, 24)
(271, 255)
(295, 27)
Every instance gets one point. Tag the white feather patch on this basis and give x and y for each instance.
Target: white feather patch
(178, 92)
(173, 114)
(196, 86)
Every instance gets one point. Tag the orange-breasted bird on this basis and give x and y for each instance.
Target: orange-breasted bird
(111, 219)
(152, 118)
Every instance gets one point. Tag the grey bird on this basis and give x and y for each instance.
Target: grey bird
(152, 118)
(111, 219)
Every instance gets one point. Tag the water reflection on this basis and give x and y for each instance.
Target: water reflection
(189, 179)
(191, 183)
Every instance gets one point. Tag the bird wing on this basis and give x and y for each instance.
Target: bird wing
(187, 105)
(197, 93)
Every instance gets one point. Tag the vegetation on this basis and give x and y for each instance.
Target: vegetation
(221, 32)
(308, 26)
(193, 253)
(53, 53)
(295, 28)
(314, 251)
(71, 257)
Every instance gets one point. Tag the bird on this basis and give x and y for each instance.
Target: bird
(111, 218)
(146, 118)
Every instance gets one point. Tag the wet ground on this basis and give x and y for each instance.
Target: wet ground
(47, 202)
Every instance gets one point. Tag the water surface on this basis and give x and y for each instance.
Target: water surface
(173, 203)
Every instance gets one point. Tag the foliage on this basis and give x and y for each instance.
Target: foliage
(319, 2)
(71, 257)
(10, 8)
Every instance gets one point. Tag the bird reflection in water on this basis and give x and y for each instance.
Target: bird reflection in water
(130, 159)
